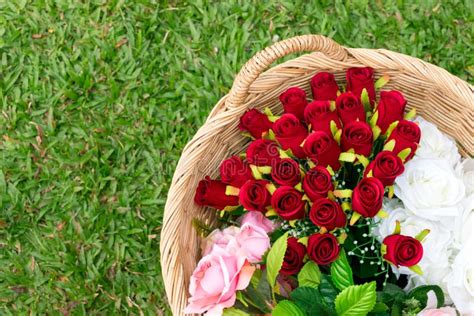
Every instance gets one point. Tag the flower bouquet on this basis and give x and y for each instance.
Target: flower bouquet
(345, 205)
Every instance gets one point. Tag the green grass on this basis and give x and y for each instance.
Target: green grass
(97, 100)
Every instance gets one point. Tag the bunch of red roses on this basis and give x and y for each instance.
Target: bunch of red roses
(319, 173)
(326, 163)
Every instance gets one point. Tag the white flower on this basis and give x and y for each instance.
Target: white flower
(435, 144)
(467, 169)
(430, 188)
(461, 280)
(464, 223)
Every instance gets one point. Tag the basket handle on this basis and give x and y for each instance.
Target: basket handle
(263, 59)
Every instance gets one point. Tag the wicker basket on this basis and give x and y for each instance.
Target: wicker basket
(437, 95)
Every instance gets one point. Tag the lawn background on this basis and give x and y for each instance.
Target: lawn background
(97, 100)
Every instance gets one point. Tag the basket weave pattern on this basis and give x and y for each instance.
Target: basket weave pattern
(437, 95)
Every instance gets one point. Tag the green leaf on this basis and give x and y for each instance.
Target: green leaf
(234, 312)
(256, 277)
(356, 300)
(410, 114)
(379, 308)
(341, 272)
(390, 145)
(421, 294)
(328, 290)
(391, 293)
(396, 310)
(404, 153)
(285, 308)
(311, 301)
(202, 228)
(264, 290)
(382, 81)
(364, 97)
(310, 275)
(259, 294)
(275, 259)
(241, 298)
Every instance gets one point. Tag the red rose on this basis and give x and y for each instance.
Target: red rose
(235, 171)
(319, 115)
(391, 108)
(294, 255)
(360, 78)
(288, 203)
(294, 101)
(367, 197)
(324, 86)
(254, 195)
(286, 172)
(402, 250)
(323, 248)
(255, 122)
(212, 193)
(349, 108)
(322, 149)
(327, 213)
(406, 135)
(358, 136)
(263, 152)
(290, 133)
(386, 167)
(317, 182)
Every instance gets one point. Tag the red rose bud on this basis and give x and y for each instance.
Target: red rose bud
(327, 213)
(212, 193)
(317, 182)
(367, 197)
(391, 108)
(323, 248)
(349, 108)
(360, 78)
(294, 101)
(286, 172)
(322, 149)
(402, 250)
(235, 171)
(254, 195)
(294, 255)
(319, 115)
(255, 122)
(386, 167)
(324, 86)
(358, 136)
(288, 203)
(290, 133)
(406, 135)
(263, 152)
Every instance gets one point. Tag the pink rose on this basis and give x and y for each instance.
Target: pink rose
(215, 281)
(444, 311)
(251, 241)
(259, 220)
(219, 239)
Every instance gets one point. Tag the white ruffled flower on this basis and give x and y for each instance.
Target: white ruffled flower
(464, 223)
(435, 144)
(430, 188)
(467, 169)
(461, 279)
